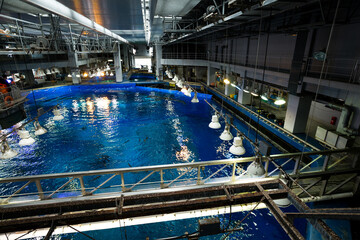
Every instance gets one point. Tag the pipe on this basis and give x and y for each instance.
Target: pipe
(328, 197)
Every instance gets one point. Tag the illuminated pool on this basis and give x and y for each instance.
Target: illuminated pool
(117, 126)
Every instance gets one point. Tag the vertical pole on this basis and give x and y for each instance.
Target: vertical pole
(122, 182)
(297, 164)
(198, 176)
(233, 172)
(39, 188)
(161, 179)
(82, 185)
(117, 64)
(158, 50)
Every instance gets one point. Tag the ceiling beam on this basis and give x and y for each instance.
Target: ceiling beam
(61, 10)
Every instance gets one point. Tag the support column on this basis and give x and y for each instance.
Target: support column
(296, 76)
(117, 64)
(74, 67)
(210, 75)
(29, 77)
(158, 51)
(297, 113)
(75, 74)
(126, 58)
(243, 97)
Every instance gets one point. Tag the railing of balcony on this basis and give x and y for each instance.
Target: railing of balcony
(114, 181)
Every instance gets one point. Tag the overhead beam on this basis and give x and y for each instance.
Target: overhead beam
(61, 10)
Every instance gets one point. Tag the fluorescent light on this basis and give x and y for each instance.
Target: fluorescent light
(279, 101)
(263, 97)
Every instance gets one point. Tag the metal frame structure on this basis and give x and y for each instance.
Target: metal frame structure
(190, 174)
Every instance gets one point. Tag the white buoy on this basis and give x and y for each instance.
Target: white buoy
(57, 114)
(195, 99)
(226, 134)
(6, 151)
(237, 148)
(26, 139)
(214, 122)
(39, 130)
(255, 169)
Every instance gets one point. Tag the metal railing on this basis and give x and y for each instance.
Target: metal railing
(153, 177)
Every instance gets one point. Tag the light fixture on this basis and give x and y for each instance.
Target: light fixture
(246, 89)
(102, 74)
(77, 75)
(264, 97)
(279, 101)
(26, 139)
(256, 169)
(214, 122)
(235, 86)
(226, 134)
(39, 130)
(6, 151)
(255, 93)
(195, 99)
(86, 74)
(57, 114)
(226, 81)
(237, 148)
(69, 75)
(111, 74)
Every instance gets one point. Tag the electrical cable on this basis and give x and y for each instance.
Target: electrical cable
(2, 2)
(263, 75)
(81, 232)
(238, 224)
(321, 72)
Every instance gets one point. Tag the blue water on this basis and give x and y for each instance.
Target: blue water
(107, 127)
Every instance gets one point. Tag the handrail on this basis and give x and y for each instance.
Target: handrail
(266, 120)
(169, 166)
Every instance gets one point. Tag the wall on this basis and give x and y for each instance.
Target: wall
(321, 116)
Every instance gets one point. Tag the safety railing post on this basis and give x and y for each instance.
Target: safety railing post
(82, 185)
(39, 188)
(122, 182)
(233, 172)
(198, 182)
(326, 162)
(162, 179)
(266, 167)
(297, 165)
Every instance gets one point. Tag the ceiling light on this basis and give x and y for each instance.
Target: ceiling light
(264, 97)
(226, 81)
(279, 101)
(255, 93)
(246, 89)
(237, 148)
(226, 134)
(214, 122)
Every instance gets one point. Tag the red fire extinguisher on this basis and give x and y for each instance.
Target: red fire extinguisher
(333, 120)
